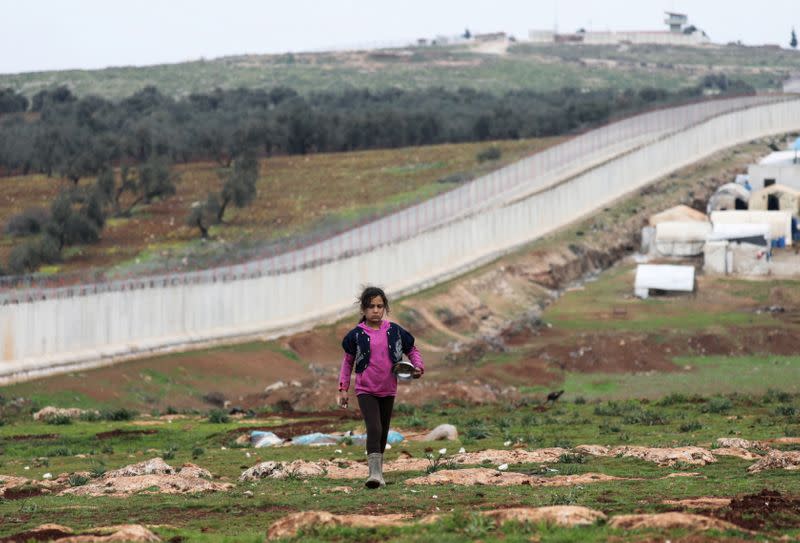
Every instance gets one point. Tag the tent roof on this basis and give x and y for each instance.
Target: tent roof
(679, 213)
(777, 188)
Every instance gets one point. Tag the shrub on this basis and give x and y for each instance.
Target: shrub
(490, 153)
(478, 432)
(98, 469)
(61, 451)
(717, 404)
(218, 416)
(197, 452)
(563, 443)
(646, 417)
(25, 258)
(580, 400)
(785, 411)
(571, 458)
(28, 223)
(91, 416)
(76, 479)
(58, 420)
(405, 409)
(690, 426)
(120, 414)
(779, 396)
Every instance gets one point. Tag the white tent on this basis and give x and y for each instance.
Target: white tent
(663, 277)
(684, 238)
(780, 222)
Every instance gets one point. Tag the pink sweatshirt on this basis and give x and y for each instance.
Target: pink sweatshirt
(377, 379)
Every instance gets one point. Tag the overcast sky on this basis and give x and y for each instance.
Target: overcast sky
(41, 35)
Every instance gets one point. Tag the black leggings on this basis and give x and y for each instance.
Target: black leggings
(377, 413)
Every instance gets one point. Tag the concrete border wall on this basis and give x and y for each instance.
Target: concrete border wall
(58, 333)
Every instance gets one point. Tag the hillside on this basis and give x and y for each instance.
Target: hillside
(298, 196)
(521, 66)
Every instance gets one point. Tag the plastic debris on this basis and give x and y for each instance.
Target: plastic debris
(264, 439)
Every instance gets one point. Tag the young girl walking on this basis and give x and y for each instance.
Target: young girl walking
(375, 348)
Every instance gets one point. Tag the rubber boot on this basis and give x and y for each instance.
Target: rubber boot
(383, 483)
(375, 476)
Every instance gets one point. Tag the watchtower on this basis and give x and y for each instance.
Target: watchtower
(676, 21)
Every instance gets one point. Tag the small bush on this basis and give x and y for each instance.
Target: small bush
(416, 422)
(76, 479)
(490, 153)
(580, 400)
(571, 458)
(29, 222)
(690, 426)
(58, 420)
(717, 405)
(779, 396)
(107, 449)
(171, 410)
(197, 452)
(169, 454)
(61, 451)
(478, 432)
(785, 411)
(454, 178)
(120, 414)
(98, 469)
(218, 416)
(646, 418)
(90, 416)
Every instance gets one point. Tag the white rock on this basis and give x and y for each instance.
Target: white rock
(502, 467)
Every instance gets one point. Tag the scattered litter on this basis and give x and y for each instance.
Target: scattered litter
(446, 432)
(316, 438)
(261, 439)
(502, 467)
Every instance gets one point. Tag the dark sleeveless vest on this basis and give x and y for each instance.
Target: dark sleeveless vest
(356, 344)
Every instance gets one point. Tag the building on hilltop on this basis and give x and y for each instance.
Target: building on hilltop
(679, 33)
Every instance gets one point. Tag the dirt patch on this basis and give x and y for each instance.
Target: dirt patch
(704, 502)
(150, 477)
(492, 477)
(45, 532)
(290, 525)
(661, 456)
(789, 460)
(23, 492)
(608, 353)
(766, 509)
(711, 345)
(32, 437)
(736, 452)
(670, 521)
(559, 515)
(124, 433)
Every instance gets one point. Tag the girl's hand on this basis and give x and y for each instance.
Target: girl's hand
(343, 400)
(416, 374)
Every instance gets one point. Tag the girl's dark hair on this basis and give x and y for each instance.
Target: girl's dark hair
(366, 297)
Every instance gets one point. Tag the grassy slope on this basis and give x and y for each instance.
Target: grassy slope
(540, 67)
(297, 195)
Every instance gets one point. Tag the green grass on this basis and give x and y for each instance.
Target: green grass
(234, 516)
(746, 374)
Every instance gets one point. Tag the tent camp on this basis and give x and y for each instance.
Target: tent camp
(729, 196)
(663, 277)
(780, 222)
(776, 198)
